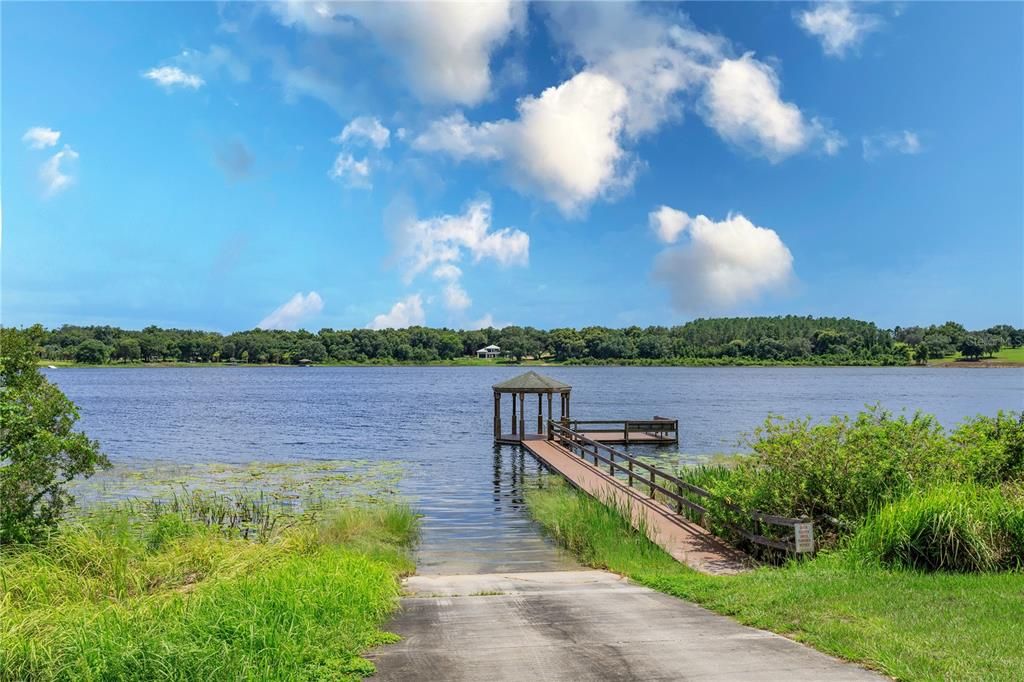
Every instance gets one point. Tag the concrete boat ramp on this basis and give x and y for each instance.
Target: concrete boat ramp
(581, 625)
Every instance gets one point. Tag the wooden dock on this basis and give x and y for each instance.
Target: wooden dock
(683, 539)
(566, 446)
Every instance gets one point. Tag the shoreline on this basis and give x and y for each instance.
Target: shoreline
(962, 364)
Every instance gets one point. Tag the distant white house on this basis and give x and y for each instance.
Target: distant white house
(491, 351)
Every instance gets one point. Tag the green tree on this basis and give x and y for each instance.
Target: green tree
(40, 453)
(938, 345)
(92, 352)
(127, 349)
(971, 346)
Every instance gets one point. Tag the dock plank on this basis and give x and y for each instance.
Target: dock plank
(684, 540)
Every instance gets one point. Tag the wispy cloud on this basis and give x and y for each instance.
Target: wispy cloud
(40, 138)
(901, 142)
(351, 172)
(54, 173)
(171, 77)
(365, 128)
(293, 312)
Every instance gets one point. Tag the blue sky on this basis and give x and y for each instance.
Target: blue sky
(223, 166)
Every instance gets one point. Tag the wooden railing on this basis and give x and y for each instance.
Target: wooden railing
(659, 427)
(678, 492)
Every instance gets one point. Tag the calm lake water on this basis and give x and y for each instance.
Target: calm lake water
(437, 422)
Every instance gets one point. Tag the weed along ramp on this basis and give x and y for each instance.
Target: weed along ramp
(684, 540)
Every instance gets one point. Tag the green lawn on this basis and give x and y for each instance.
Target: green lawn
(1004, 354)
(131, 596)
(909, 625)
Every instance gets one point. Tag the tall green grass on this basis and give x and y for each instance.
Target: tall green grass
(955, 527)
(165, 596)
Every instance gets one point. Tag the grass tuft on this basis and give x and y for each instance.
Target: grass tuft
(959, 527)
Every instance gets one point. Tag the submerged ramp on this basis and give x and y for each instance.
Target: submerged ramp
(684, 540)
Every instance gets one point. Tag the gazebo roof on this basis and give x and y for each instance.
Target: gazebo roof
(531, 382)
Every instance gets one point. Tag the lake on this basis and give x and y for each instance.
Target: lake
(436, 421)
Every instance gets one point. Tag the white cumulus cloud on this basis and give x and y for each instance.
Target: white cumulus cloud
(901, 142)
(565, 144)
(40, 138)
(838, 25)
(668, 223)
(721, 264)
(54, 173)
(444, 48)
(293, 312)
(742, 103)
(405, 313)
(170, 77)
(366, 128)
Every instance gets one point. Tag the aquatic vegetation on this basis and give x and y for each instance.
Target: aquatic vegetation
(295, 486)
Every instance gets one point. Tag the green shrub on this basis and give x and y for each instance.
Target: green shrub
(990, 450)
(40, 451)
(838, 471)
(955, 527)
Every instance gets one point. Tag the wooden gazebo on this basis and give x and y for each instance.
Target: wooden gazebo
(518, 387)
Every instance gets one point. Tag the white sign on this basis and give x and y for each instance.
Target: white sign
(804, 533)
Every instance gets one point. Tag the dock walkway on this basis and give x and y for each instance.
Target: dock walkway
(684, 540)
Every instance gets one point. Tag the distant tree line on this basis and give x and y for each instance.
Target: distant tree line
(738, 340)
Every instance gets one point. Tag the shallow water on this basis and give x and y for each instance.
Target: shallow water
(436, 421)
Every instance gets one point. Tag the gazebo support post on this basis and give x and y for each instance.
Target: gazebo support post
(549, 406)
(522, 415)
(515, 420)
(497, 416)
(540, 413)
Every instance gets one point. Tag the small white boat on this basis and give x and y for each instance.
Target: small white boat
(51, 367)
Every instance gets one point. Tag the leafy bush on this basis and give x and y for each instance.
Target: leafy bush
(39, 451)
(842, 468)
(990, 450)
(840, 471)
(956, 527)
